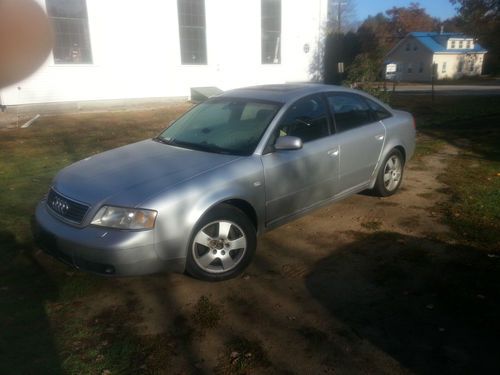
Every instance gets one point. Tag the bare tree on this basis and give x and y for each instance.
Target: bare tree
(341, 16)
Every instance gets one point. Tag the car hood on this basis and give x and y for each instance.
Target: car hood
(129, 175)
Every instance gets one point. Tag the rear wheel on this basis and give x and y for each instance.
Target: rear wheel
(222, 245)
(390, 175)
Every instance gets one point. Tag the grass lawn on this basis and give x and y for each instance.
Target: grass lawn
(36, 323)
(40, 330)
(472, 126)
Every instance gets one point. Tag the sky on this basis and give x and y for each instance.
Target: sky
(436, 8)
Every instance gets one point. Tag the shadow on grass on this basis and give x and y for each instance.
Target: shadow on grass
(480, 135)
(26, 340)
(467, 122)
(432, 307)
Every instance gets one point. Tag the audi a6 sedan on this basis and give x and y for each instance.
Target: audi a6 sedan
(195, 197)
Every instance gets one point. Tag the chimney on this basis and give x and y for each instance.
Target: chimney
(442, 29)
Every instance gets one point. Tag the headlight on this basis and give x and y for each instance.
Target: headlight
(125, 218)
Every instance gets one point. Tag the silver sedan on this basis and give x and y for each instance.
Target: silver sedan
(195, 197)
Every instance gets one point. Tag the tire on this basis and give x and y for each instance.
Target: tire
(390, 174)
(222, 245)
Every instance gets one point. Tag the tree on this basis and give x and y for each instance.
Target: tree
(341, 16)
(339, 48)
(481, 19)
(451, 25)
(407, 19)
(375, 35)
(379, 33)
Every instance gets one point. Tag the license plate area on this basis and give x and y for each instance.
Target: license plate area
(48, 243)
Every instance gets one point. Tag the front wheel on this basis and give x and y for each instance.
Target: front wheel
(222, 245)
(390, 174)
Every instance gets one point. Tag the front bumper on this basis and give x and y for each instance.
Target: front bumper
(100, 250)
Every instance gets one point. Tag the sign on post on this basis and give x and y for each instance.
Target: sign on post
(391, 68)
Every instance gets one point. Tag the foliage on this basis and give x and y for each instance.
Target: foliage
(481, 19)
(379, 92)
(407, 19)
(381, 32)
(363, 52)
(364, 69)
(339, 48)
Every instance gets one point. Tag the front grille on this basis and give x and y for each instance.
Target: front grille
(67, 208)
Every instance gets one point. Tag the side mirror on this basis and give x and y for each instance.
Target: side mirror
(288, 142)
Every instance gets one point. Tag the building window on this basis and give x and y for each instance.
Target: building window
(71, 28)
(271, 31)
(443, 69)
(452, 44)
(192, 31)
(415, 47)
(410, 67)
(467, 44)
(408, 46)
(461, 44)
(421, 67)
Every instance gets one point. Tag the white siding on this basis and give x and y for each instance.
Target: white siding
(403, 58)
(453, 65)
(136, 52)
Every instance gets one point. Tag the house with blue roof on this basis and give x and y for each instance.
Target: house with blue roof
(451, 55)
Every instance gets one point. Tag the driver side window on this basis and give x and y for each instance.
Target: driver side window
(306, 119)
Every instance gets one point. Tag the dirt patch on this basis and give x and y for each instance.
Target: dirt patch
(276, 318)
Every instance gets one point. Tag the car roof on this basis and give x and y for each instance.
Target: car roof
(283, 93)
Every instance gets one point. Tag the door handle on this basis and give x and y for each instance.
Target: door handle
(379, 137)
(334, 152)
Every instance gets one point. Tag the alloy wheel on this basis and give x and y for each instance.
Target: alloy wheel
(219, 246)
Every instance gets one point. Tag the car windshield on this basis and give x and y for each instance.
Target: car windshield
(222, 125)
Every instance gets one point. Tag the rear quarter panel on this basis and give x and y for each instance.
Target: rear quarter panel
(400, 132)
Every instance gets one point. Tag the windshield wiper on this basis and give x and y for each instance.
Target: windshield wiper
(214, 148)
(175, 142)
(207, 147)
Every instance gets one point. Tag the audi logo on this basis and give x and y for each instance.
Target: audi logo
(61, 206)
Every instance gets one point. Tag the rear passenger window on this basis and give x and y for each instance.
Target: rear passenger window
(349, 111)
(378, 111)
(306, 119)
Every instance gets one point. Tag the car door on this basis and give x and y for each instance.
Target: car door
(298, 179)
(360, 137)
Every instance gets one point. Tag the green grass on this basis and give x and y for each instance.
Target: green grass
(241, 357)
(40, 329)
(472, 125)
(33, 299)
(206, 314)
(372, 225)
(104, 342)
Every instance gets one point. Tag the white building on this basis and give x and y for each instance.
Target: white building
(120, 49)
(453, 56)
